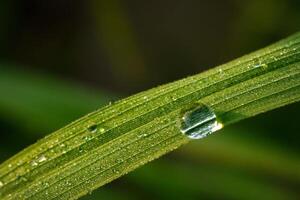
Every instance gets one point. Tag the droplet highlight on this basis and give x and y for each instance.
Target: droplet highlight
(199, 121)
(42, 158)
(101, 130)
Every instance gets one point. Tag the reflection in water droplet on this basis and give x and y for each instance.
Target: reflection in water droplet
(199, 121)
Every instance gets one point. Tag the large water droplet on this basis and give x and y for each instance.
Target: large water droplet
(199, 121)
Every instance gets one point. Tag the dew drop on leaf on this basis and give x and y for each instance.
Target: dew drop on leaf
(42, 158)
(199, 121)
(101, 130)
(93, 128)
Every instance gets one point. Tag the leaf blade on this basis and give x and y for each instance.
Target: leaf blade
(72, 161)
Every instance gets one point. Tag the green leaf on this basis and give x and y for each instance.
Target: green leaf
(118, 138)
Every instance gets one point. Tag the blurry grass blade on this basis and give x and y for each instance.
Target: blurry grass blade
(118, 138)
(215, 182)
(117, 35)
(29, 95)
(245, 152)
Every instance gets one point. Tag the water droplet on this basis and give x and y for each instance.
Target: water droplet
(221, 72)
(256, 65)
(42, 158)
(142, 135)
(93, 128)
(33, 163)
(101, 130)
(80, 149)
(262, 65)
(87, 138)
(199, 121)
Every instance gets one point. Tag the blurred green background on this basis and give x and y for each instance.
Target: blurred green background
(61, 59)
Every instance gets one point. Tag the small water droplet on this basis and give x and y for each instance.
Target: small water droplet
(142, 135)
(42, 158)
(34, 163)
(199, 121)
(262, 65)
(87, 138)
(221, 72)
(101, 130)
(93, 128)
(256, 65)
(80, 149)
